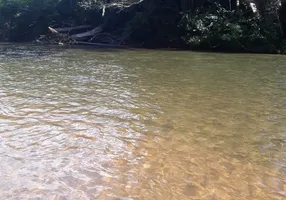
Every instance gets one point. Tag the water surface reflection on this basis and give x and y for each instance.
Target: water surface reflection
(83, 124)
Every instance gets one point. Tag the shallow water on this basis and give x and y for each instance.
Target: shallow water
(120, 124)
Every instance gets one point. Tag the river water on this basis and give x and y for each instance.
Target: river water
(112, 124)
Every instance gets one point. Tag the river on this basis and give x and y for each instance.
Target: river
(115, 124)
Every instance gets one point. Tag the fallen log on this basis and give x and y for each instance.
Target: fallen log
(84, 38)
(87, 33)
(53, 30)
(59, 37)
(67, 29)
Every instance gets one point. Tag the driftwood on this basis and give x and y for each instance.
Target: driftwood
(67, 29)
(78, 35)
(59, 35)
(87, 33)
(59, 38)
(53, 30)
(84, 38)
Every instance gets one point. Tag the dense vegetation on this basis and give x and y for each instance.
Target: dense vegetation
(220, 25)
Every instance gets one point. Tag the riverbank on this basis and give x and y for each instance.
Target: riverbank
(109, 48)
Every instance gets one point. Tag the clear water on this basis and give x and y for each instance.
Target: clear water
(122, 125)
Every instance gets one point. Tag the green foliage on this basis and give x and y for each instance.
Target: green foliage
(192, 24)
(216, 28)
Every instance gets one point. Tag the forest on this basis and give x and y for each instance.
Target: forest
(205, 25)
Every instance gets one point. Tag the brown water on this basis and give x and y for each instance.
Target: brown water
(123, 125)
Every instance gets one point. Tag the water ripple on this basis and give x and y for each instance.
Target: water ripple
(85, 124)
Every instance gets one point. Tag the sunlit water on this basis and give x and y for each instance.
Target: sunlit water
(121, 125)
